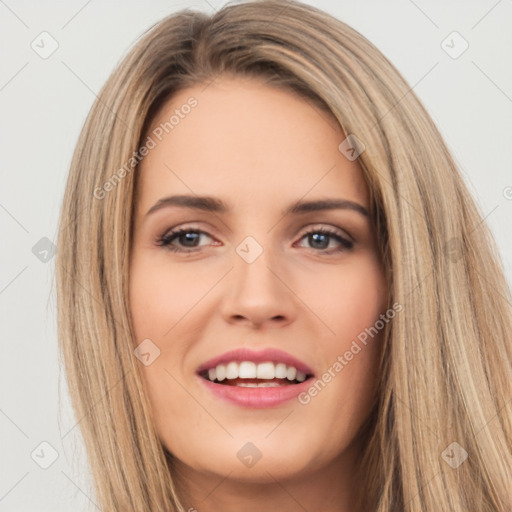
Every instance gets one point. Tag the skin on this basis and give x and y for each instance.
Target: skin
(259, 149)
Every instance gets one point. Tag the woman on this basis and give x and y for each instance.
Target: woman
(275, 291)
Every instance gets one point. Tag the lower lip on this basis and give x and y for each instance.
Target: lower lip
(256, 397)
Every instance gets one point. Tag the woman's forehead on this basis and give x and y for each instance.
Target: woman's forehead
(250, 138)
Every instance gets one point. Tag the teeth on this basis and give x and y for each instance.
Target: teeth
(300, 376)
(245, 370)
(220, 372)
(266, 371)
(250, 370)
(291, 372)
(281, 371)
(231, 371)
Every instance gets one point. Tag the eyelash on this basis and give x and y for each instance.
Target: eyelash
(166, 240)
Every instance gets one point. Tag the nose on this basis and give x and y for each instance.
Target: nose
(257, 294)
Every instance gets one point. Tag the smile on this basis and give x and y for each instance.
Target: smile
(250, 374)
(245, 378)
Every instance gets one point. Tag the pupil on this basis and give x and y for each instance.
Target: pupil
(189, 237)
(317, 236)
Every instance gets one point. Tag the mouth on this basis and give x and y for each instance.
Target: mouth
(252, 375)
(255, 379)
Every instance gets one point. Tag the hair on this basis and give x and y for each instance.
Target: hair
(446, 358)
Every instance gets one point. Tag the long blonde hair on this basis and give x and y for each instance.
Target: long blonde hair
(445, 374)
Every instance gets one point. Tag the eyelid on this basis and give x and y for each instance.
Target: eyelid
(303, 232)
(187, 227)
(172, 232)
(340, 232)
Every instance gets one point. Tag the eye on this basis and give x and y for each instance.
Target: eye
(320, 239)
(188, 237)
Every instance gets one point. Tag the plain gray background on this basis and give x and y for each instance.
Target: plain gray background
(43, 104)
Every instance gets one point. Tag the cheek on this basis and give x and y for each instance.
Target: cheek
(161, 294)
(351, 304)
(351, 298)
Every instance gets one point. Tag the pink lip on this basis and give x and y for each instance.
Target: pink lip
(256, 397)
(273, 355)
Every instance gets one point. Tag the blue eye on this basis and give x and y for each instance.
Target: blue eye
(320, 240)
(188, 240)
(187, 237)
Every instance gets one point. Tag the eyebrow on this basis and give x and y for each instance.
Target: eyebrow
(215, 205)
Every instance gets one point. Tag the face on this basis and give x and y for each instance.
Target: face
(254, 275)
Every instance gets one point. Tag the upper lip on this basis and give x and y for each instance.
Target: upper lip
(245, 354)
